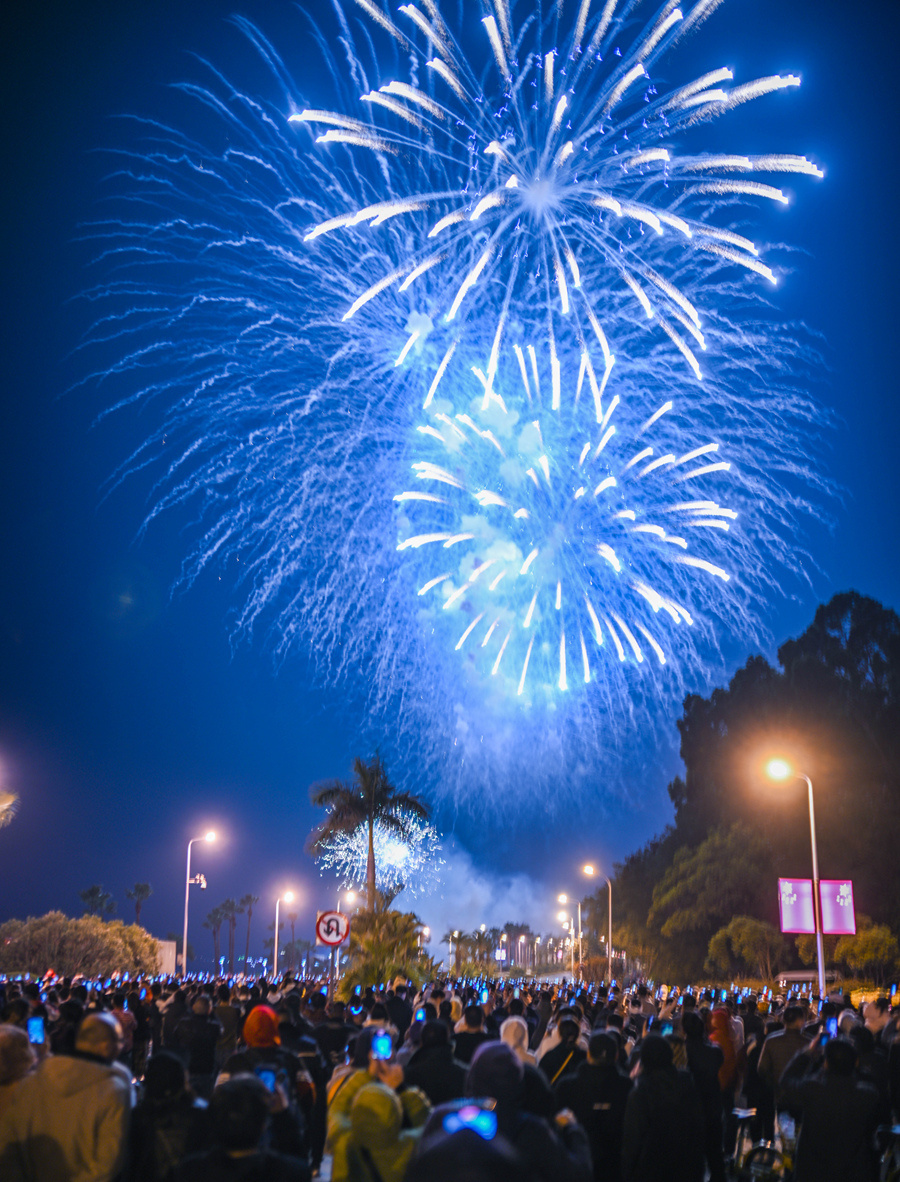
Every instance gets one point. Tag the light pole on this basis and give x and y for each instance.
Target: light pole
(522, 951)
(288, 897)
(568, 925)
(590, 872)
(210, 836)
(349, 897)
(780, 769)
(565, 899)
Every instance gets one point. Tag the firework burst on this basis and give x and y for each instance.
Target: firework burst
(411, 862)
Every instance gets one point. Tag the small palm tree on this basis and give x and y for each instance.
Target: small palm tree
(383, 945)
(247, 903)
(213, 923)
(97, 901)
(139, 894)
(371, 798)
(230, 911)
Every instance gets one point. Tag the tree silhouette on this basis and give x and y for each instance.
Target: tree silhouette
(247, 903)
(231, 910)
(351, 805)
(97, 901)
(139, 894)
(213, 923)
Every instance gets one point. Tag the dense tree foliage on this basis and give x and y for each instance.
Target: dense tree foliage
(69, 946)
(833, 709)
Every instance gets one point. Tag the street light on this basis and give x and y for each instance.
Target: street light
(590, 872)
(568, 925)
(780, 769)
(287, 897)
(210, 836)
(564, 899)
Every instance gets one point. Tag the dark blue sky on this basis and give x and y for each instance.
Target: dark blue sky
(126, 723)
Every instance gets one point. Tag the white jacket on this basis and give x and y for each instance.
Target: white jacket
(66, 1122)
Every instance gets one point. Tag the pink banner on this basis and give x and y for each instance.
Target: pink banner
(795, 905)
(838, 916)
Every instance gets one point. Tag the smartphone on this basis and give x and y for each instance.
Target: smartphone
(666, 1028)
(484, 996)
(831, 1025)
(893, 990)
(723, 995)
(420, 1015)
(267, 1075)
(382, 1045)
(480, 1120)
(143, 994)
(36, 1031)
(515, 993)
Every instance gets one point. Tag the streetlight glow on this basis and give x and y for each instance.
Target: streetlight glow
(779, 769)
(588, 870)
(562, 917)
(562, 899)
(211, 836)
(288, 897)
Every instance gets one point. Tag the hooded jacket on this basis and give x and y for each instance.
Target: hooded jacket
(67, 1122)
(377, 1135)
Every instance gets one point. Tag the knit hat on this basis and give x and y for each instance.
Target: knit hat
(163, 1077)
(261, 1027)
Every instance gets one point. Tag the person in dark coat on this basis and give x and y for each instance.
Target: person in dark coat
(169, 1123)
(664, 1134)
(433, 1069)
(195, 1039)
(239, 1112)
(838, 1115)
(597, 1093)
(470, 1038)
(704, 1063)
(567, 1055)
(398, 1008)
(558, 1153)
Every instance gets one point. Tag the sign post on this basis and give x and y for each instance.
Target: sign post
(332, 929)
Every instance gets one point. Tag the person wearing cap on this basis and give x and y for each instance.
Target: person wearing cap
(68, 1120)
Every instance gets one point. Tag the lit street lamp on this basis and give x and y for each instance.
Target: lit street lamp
(564, 899)
(199, 880)
(590, 872)
(568, 925)
(780, 769)
(287, 897)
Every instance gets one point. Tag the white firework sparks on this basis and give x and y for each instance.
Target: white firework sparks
(412, 862)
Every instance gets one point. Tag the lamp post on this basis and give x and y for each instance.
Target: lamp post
(565, 899)
(288, 897)
(210, 836)
(780, 769)
(568, 925)
(590, 872)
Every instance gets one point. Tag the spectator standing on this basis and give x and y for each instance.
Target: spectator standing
(68, 1120)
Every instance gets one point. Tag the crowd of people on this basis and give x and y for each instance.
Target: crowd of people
(196, 1080)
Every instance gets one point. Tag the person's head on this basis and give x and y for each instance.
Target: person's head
(238, 1112)
(878, 1014)
(202, 1005)
(496, 1071)
(118, 1000)
(693, 1026)
(655, 1054)
(223, 993)
(435, 1034)
(99, 1035)
(463, 1156)
(164, 1078)
(514, 1033)
(261, 1027)
(569, 1031)
(840, 1056)
(17, 1055)
(792, 1017)
(516, 1007)
(473, 1017)
(378, 1013)
(603, 1049)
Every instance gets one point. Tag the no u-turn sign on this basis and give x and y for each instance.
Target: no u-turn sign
(332, 928)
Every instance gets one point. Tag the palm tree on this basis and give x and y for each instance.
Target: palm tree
(383, 945)
(371, 798)
(213, 923)
(139, 894)
(247, 902)
(231, 910)
(97, 901)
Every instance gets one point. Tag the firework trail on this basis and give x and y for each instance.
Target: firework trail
(512, 228)
(410, 863)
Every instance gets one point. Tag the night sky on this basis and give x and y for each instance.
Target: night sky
(127, 723)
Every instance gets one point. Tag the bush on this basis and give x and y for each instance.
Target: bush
(69, 946)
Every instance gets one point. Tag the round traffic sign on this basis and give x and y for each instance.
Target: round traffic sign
(332, 928)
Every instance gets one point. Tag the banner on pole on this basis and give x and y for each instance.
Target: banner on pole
(795, 906)
(838, 915)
